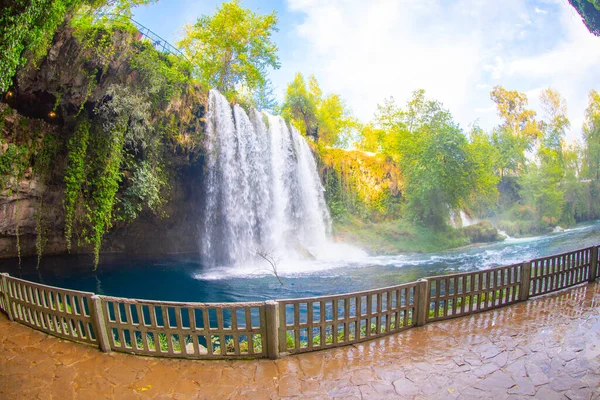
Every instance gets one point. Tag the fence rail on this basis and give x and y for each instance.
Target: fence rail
(332, 321)
(59, 312)
(157, 42)
(454, 295)
(189, 330)
(557, 272)
(272, 328)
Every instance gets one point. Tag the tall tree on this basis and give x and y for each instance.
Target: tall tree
(438, 168)
(233, 47)
(555, 121)
(264, 97)
(300, 105)
(518, 131)
(325, 118)
(484, 157)
(591, 139)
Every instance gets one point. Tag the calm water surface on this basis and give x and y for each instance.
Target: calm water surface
(184, 278)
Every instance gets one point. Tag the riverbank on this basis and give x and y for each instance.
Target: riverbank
(398, 237)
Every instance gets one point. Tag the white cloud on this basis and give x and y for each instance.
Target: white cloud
(456, 51)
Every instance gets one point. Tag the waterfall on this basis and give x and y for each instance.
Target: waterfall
(466, 221)
(262, 190)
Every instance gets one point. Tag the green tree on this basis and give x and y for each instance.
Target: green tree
(518, 131)
(576, 193)
(591, 140)
(264, 97)
(433, 152)
(232, 47)
(549, 199)
(555, 122)
(300, 106)
(326, 119)
(484, 157)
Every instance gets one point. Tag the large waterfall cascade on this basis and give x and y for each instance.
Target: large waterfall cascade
(263, 194)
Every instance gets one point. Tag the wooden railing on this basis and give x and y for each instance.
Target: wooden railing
(189, 330)
(68, 314)
(331, 321)
(470, 292)
(557, 272)
(272, 328)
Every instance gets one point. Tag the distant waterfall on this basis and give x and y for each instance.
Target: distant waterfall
(262, 190)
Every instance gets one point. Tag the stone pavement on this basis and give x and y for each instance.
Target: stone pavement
(547, 348)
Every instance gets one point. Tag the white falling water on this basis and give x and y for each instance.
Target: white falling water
(262, 190)
(466, 221)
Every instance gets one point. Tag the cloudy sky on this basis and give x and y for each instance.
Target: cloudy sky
(456, 50)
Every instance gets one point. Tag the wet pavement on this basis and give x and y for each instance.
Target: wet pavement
(547, 348)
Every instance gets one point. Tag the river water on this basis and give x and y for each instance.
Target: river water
(183, 278)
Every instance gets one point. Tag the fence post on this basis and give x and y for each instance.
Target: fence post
(272, 320)
(525, 281)
(4, 284)
(593, 264)
(422, 301)
(100, 324)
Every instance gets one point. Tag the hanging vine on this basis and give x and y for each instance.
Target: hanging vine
(43, 169)
(75, 174)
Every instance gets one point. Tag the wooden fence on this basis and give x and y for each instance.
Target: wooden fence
(188, 330)
(331, 321)
(461, 294)
(272, 328)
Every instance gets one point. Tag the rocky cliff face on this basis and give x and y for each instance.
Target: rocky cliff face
(175, 232)
(45, 100)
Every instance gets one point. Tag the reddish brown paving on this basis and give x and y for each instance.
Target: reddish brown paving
(545, 348)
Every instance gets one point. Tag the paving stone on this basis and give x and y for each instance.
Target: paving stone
(546, 348)
(405, 387)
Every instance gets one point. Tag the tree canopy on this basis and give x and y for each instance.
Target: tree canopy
(326, 119)
(233, 47)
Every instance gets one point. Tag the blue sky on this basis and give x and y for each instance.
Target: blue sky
(456, 50)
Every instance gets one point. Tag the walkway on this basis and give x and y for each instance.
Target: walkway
(548, 348)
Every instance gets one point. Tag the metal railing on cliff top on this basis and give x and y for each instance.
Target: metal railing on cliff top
(274, 328)
(146, 33)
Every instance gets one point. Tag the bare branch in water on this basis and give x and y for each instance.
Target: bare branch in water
(270, 258)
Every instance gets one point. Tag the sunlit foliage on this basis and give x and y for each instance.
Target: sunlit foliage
(233, 47)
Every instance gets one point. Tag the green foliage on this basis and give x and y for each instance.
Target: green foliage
(146, 187)
(232, 47)
(75, 174)
(43, 168)
(104, 176)
(434, 155)
(163, 76)
(264, 97)
(325, 118)
(26, 29)
(590, 14)
(392, 237)
(483, 155)
(13, 163)
(300, 105)
(518, 132)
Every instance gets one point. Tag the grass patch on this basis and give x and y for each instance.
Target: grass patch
(393, 237)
